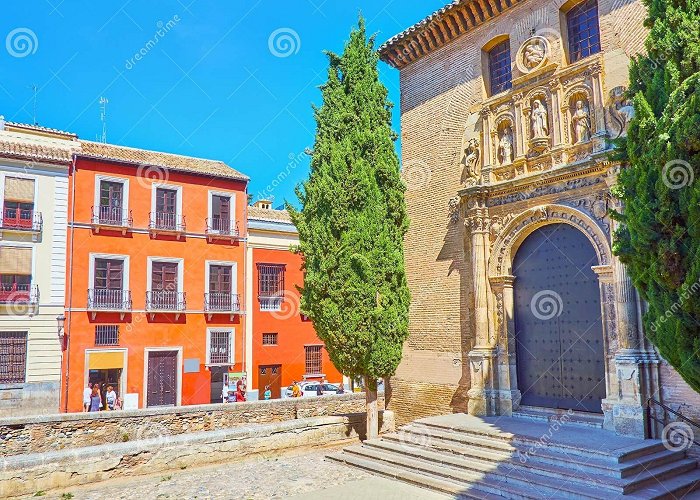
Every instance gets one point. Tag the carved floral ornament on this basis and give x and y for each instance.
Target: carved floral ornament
(515, 230)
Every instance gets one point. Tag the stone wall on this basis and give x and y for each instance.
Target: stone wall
(50, 433)
(36, 398)
(29, 474)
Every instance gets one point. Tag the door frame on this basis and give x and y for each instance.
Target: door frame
(178, 364)
(125, 369)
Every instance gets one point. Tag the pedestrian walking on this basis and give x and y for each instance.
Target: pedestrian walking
(86, 396)
(111, 398)
(268, 393)
(319, 389)
(95, 399)
(296, 390)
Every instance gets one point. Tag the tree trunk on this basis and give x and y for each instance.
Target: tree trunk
(372, 413)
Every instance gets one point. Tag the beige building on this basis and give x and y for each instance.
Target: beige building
(34, 197)
(508, 110)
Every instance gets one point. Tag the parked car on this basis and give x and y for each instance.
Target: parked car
(308, 389)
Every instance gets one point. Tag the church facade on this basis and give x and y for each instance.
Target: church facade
(508, 113)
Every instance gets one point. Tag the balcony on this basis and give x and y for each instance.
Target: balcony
(222, 229)
(21, 221)
(222, 303)
(166, 223)
(105, 300)
(165, 301)
(19, 295)
(111, 218)
(271, 302)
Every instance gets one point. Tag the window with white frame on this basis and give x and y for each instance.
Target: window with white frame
(111, 201)
(165, 284)
(271, 286)
(221, 213)
(219, 347)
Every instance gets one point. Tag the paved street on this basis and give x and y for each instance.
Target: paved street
(305, 476)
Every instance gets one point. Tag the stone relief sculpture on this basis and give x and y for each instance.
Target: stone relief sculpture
(532, 54)
(470, 160)
(581, 122)
(621, 111)
(505, 146)
(540, 127)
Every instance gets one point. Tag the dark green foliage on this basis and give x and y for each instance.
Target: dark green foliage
(660, 184)
(353, 220)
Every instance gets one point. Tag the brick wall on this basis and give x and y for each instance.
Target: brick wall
(64, 431)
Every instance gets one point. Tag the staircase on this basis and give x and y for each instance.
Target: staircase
(527, 456)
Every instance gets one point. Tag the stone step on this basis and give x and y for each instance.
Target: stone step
(683, 487)
(452, 442)
(572, 418)
(550, 472)
(494, 438)
(519, 485)
(476, 489)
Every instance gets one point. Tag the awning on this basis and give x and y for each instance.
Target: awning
(105, 360)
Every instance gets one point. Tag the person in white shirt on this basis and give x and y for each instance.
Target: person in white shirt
(86, 396)
(111, 398)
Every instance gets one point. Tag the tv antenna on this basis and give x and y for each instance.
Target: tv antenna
(35, 93)
(103, 118)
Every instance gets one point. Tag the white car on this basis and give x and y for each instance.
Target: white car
(309, 389)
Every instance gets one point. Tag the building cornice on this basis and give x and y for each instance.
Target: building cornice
(441, 28)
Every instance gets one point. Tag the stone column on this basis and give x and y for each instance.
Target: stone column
(556, 117)
(598, 103)
(637, 368)
(519, 130)
(487, 153)
(508, 395)
(482, 356)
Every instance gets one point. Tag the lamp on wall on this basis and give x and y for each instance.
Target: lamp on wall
(61, 320)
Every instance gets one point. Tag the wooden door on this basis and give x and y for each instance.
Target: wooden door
(221, 213)
(270, 375)
(162, 378)
(166, 200)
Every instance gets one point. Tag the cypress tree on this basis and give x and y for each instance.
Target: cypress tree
(659, 237)
(353, 221)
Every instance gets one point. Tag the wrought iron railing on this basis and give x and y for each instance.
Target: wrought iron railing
(222, 302)
(677, 430)
(222, 227)
(165, 300)
(270, 302)
(106, 299)
(19, 294)
(22, 220)
(112, 216)
(164, 221)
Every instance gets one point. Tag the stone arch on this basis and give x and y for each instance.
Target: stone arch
(515, 232)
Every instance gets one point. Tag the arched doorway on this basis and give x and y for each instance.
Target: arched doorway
(558, 321)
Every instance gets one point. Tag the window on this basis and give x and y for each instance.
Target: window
(111, 203)
(269, 339)
(270, 286)
(108, 291)
(13, 357)
(15, 274)
(313, 359)
(165, 293)
(106, 334)
(499, 68)
(18, 208)
(220, 347)
(220, 296)
(221, 213)
(166, 209)
(583, 30)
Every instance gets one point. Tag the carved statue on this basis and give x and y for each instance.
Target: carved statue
(621, 110)
(505, 146)
(534, 54)
(581, 122)
(540, 127)
(470, 159)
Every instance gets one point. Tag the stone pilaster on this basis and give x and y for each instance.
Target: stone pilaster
(507, 396)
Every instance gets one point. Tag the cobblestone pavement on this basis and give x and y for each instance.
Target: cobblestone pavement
(255, 479)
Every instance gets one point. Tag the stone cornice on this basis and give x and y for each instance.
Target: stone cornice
(440, 28)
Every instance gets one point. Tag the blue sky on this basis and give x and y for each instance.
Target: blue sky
(217, 84)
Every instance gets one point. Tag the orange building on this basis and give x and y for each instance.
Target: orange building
(282, 346)
(156, 272)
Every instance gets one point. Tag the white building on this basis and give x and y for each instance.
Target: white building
(34, 201)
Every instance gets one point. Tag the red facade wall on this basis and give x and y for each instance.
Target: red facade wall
(139, 329)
